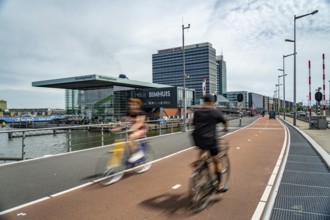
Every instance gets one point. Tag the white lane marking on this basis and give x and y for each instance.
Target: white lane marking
(21, 214)
(24, 205)
(267, 200)
(258, 211)
(72, 189)
(177, 186)
(266, 193)
(277, 129)
(272, 179)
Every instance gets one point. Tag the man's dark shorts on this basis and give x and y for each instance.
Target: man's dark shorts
(213, 150)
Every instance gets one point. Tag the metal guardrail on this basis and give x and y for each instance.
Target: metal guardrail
(93, 135)
(307, 119)
(76, 137)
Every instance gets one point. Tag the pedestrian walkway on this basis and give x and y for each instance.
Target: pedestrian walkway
(304, 189)
(320, 136)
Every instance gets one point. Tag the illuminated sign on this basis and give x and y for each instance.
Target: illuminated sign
(161, 97)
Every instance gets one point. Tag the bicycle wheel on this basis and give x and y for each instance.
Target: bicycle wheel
(201, 188)
(112, 174)
(106, 174)
(225, 172)
(144, 163)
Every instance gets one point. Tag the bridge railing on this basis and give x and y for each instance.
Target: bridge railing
(21, 144)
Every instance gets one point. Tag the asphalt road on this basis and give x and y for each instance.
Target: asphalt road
(30, 180)
(254, 152)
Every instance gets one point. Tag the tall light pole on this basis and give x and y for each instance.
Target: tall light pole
(283, 75)
(184, 80)
(294, 64)
(277, 95)
(283, 105)
(274, 96)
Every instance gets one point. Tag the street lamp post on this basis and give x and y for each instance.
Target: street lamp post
(278, 93)
(294, 64)
(278, 96)
(184, 80)
(274, 96)
(283, 75)
(283, 105)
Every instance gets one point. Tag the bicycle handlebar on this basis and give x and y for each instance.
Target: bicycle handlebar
(119, 131)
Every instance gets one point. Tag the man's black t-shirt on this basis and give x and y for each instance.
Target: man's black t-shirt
(205, 121)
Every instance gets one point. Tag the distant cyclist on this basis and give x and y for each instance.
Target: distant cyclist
(138, 128)
(205, 133)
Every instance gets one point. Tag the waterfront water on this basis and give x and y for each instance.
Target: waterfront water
(51, 144)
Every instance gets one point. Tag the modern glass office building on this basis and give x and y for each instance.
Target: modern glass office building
(232, 97)
(3, 105)
(221, 75)
(200, 65)
(257, 102)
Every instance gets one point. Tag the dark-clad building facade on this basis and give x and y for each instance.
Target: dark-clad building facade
(200, 65)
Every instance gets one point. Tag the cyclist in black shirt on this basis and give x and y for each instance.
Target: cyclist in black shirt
(205, 134)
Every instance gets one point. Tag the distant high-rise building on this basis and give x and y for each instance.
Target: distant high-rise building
(3, 105)
(200, 65)
(232, 97)
(221, 75)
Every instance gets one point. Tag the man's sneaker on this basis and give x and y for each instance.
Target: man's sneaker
(136, 156)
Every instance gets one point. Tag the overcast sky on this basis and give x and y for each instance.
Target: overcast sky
(50, 39)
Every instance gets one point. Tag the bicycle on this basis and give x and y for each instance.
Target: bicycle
(117, 163)
(203, 182)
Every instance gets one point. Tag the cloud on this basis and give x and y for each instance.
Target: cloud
(43, 40)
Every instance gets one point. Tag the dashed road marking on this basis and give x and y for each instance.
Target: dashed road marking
(177, 186)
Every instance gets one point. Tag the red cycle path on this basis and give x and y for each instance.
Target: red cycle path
(254, 152)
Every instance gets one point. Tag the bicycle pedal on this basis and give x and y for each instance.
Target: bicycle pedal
(222, 190)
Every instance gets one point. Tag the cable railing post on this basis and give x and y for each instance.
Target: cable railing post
(69, 147)
(126, 133)
(172, 126)
(23, 145)
(102, 135)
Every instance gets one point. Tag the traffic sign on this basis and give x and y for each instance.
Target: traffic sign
(318, 96)
(239, 97)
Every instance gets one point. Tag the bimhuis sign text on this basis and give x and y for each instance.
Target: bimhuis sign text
(161, 97)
